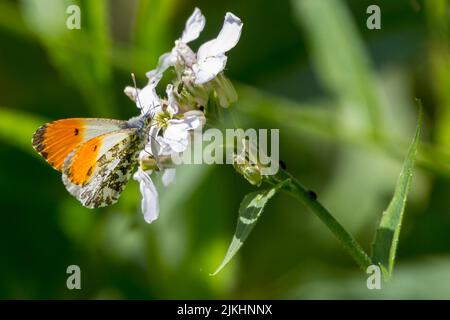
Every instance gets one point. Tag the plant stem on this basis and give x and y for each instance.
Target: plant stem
(308, 198)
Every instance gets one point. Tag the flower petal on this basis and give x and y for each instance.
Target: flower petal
(131, 92)
(209, 68)
(172, 104)
(164, 148)
(148, 101)
(194, 26)
(149, 204)
(152, 147)
(165, 61)
(195, 118)
(168, 176)
(226, 40)
(176, 135)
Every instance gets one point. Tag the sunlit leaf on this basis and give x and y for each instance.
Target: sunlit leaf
(388, 232)
(341, 60)
(249, 212)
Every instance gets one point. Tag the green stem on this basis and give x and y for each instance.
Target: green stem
(308, 198)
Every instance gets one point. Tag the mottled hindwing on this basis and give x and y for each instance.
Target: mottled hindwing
(56, 140)
(97, 171)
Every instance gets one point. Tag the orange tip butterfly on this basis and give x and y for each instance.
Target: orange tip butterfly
(95, 156)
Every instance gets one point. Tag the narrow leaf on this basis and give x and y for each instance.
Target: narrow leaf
(388, 232)
(340, 59)
(249, 211)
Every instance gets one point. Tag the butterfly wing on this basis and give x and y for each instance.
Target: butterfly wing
(56, 140)
(97, 171)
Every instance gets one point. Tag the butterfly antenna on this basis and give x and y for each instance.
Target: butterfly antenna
(136, 91)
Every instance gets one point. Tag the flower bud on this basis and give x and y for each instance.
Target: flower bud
(250, 171)
(224, 90)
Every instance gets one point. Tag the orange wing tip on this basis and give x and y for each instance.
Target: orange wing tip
(55, 140)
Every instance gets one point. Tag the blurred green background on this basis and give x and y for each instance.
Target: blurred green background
(342, 96)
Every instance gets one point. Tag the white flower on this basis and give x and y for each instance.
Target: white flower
(146, 98)
(211, 59)
(181, 52)
(149, 203)
(176, 129)
(149, 194)
(172, 104)
(194, 26)
(176, 135)
(168, 176)
(174, 119)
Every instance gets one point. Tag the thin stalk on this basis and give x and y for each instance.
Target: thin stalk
(308, 198)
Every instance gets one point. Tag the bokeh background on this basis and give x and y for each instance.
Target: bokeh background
(341, 95)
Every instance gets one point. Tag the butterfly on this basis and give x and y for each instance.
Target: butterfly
(95, 156)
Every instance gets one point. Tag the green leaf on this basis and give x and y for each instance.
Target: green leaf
(249, 212)
(387, 235)
(341, 60)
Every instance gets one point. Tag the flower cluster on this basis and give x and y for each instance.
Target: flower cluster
(198, 78)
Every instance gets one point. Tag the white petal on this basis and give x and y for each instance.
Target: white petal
(149, 204)
(164, 148)
(209, 68)
(168, 176)
(153, 78)
(194, 26)
(195, 118)
(148, 101)
(131, 92)
(172, 107)
(176, 135)
(226, 40)
(165, 61)
(153, 146)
